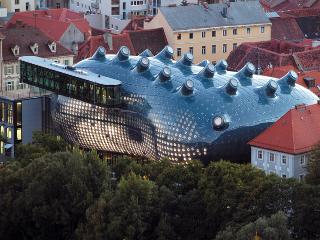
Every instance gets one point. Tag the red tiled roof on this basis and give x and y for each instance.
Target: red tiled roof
(275, 52)
(52, 22)
(25, 36)
(153, 39)
(284, 5)
(136, 23)
(279, 72)
(296, 132)
(286, 29)
(136, 41)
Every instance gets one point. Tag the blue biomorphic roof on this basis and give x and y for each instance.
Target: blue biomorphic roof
(197, 111)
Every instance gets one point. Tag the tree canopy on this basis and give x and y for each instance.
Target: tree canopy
(49, 192)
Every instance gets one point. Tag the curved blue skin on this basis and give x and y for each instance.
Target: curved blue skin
(157, 120)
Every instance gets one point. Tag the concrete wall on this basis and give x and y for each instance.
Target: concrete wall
(95, 20)
(31, 118)
(21, 6)
(219, 40)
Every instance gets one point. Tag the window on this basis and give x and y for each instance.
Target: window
(191, 35)
(18, 69)
(284, 175)
(248, 30)
(10, 113)
(234, 46)
(179, 36)
(224, 48)
(302, 160)
(178, 52)
(235, 32)
(9, 85)
(19, 134)
(124, 5)
(260, 154)
(17, 10)
(284, 159)
(271, 157)
(301, 177)
(224, 32)
(9, 133)
(213, 33)
(203, 50)
(27, 6)
(78, 4)
(203, 34)
(16, 2)
(262, 29)
(58, 5)
(8, 70)
(213, 49)
(191, 50)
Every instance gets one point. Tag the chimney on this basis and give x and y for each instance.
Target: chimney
(224, 12)
(108, 38)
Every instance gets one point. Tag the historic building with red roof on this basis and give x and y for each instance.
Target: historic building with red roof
(62, 25)
(283, 147)
(23, 40)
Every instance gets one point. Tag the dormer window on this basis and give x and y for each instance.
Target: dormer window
(52, 46)
(35, 48)
(15, 50)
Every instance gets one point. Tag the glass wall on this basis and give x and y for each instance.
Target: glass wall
(70, 86)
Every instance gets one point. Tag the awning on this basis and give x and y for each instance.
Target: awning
(8, 145)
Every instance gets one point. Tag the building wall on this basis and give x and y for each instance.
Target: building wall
(18, 5)
(284, 165)
(184, 43)
(31, 118)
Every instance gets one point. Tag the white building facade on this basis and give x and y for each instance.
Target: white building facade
(282, 164)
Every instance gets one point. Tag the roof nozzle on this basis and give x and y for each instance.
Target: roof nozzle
(166, 53)
(291, 77)
(203, 63)
(165, 74)
(232, 86)
(123, 54)
(271, 88)
(100, 54)
(143, 64)
(221, 66)
(220, 122)
(248, 70)
(187, 87)
(146, 53)
(187, 59)
(208, 71)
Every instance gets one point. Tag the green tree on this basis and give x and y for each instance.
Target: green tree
(41, 144)
(313, 167)
(48, 198)
(132, 209)
(273, 228)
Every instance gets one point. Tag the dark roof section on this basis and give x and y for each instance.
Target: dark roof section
(197, 16)
(286, 29)
(154, 40)
(24, 36)
(137, 41)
